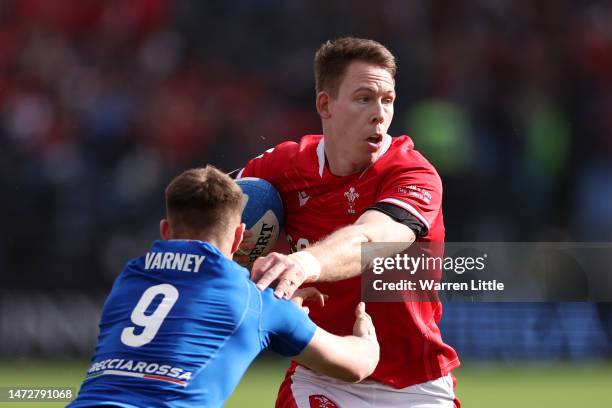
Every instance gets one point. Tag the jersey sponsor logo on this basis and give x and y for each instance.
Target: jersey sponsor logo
(139, 369)
(303, 197)
(351, 195)
(174, 260)
(321, 401)
(416, 192)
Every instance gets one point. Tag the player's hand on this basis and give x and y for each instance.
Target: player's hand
(241, 256)
(363, 326)
(309, 294)
(288, 273)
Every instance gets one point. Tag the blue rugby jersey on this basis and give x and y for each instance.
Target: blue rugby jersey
(181, 326)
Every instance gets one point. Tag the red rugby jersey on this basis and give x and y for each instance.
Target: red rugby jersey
(318, 203)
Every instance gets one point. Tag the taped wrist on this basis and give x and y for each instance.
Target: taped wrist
(310, 264)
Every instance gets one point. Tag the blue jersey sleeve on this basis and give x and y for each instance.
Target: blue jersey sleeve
(286, 329)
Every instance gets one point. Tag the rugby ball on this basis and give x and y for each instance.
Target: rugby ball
(262, 212)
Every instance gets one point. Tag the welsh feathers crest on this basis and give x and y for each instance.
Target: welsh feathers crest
(351, 195)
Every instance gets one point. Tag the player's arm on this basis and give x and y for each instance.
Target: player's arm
(287, 330)
(408, 202)
(348, 358)
(334, 258)
(340, 253)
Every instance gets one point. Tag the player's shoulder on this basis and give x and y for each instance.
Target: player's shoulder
(402, 152)
(309, 142)
(402, 160)
(276, 308)
(287, 148)
(288, 153)
(403, 147)
(291, 149)
(284, 160)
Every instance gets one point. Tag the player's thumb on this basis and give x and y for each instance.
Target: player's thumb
(360, 310)
(363, 323)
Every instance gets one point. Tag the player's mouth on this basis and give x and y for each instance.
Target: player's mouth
(375, 141)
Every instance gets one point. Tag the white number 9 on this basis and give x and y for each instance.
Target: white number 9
(152, 322)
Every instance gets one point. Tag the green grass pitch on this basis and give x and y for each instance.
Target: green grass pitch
(480, 385)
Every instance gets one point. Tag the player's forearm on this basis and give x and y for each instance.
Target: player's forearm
(340, 253)
(355, 358)
(337, 257)
(348, 358)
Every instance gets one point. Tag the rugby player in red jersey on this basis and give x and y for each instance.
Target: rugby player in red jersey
(356, 184)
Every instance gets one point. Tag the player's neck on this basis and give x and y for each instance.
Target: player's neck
(338, 164)
(221, 245)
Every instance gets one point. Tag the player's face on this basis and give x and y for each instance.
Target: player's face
(361, 114)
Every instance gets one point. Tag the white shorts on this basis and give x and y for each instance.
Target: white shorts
(312, 390)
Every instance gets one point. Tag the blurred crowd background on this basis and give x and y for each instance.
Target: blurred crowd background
(103, 102)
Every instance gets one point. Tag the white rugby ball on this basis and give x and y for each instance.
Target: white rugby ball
(263, 215)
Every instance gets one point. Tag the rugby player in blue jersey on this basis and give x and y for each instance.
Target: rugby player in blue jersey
(183, 322)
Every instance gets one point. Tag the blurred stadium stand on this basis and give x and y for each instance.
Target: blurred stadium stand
(101, 103)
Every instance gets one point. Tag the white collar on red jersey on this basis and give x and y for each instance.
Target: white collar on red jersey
(321, 152)
(321, 155)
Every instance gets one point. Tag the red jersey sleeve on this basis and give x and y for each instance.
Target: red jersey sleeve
(415, 186)
(271, 164)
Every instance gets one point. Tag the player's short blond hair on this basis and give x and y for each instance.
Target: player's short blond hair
(203, 200)
(333, 58)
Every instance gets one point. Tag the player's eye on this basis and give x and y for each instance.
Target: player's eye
(363, 98)
(387, 100)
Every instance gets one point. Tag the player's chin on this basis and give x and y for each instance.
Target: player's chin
(364, 156)
(367, 161)
(370, 155)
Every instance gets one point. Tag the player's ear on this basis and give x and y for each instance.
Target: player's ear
(164, 229)
(322, 103)
(238, 233)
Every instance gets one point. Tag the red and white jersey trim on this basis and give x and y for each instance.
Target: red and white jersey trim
(321, 155)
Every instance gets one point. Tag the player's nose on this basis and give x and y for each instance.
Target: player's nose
(377, 115)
